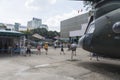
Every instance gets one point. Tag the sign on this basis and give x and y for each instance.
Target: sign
(78, 32)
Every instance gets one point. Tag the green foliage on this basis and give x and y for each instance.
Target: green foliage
(43, 32)
(40, 31)
(52, 34)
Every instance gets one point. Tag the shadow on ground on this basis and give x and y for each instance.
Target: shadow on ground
(5, 55)
(106, 69)
(72, 60)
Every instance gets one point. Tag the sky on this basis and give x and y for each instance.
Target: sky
(50, 11)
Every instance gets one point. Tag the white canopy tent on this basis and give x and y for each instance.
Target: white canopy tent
(38, 36)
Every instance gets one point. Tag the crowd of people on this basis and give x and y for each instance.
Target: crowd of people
(27, 50)
(71, 47)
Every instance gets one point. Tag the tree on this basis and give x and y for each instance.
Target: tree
(40, 31)
(52, 34)
(43, 32)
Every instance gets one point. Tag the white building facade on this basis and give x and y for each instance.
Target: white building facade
(36, 23)
(11, 27)
(78, 32)
(73, 28)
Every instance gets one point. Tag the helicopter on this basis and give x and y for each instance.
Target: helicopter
(102, 35)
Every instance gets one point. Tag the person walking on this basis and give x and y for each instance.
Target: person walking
(62, 49)
(39, 50)
(94, 55)
(55, 45)
(73, 48)
(46, 47)
(69, 46)
(28, 49)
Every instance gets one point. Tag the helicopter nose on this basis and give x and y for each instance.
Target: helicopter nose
(81, 41)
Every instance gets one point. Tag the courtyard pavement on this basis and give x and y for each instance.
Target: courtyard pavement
(58, 67)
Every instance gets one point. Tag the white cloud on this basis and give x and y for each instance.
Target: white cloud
(52, 1)
(39, 4)
(54, 21)
(29, 5)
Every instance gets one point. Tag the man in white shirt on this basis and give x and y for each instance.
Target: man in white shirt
(73, 48)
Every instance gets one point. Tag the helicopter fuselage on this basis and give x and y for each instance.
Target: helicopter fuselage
(103, 33)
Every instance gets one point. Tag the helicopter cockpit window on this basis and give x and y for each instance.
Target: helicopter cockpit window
(91, 28)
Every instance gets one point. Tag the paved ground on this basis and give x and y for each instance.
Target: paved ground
(58, 67)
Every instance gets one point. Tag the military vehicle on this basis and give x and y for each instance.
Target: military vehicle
(102, 35)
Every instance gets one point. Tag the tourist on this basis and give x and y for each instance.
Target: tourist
(39, 50)
(62, 49)
(46, 47)
(73, 48)
(29, 49)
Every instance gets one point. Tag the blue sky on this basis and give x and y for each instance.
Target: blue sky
(50, 11)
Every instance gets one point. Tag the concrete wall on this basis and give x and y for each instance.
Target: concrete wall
(72, 24)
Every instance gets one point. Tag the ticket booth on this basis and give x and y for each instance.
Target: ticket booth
(10, 39)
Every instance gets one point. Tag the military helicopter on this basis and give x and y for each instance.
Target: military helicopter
(102, 35)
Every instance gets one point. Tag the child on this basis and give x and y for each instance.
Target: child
(94, 55)
(39, 49)
(62, 50)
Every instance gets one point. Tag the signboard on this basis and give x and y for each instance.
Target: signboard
(78, 32)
